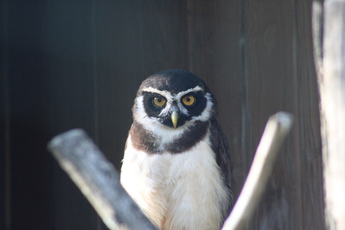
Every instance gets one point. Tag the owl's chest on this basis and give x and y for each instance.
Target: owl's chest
(176, 191)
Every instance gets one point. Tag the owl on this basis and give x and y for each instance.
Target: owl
(176, 164)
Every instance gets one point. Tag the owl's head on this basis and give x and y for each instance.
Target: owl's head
(173, 99)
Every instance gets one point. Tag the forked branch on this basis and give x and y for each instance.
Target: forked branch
(277, 128)
(99, 181)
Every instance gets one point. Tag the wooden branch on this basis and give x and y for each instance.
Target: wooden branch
(277, 128)
(98, 180)
(332, 93)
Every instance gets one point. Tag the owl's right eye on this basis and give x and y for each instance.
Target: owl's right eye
(159, 101)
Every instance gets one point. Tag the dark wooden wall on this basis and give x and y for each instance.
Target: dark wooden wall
(71, 64)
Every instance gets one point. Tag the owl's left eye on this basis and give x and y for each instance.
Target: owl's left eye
(159, 101)
(188, 100)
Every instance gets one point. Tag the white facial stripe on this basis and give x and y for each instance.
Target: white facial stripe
(165, 110)
(205, 115)
(139, 113)
(195, 89)
(168, 95)
(164, 93)
(183, 109)
(181, 94)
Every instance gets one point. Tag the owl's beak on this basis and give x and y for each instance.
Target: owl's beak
(174, 115)
(174, 118)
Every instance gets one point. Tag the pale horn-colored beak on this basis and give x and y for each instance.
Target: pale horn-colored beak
(174, 116)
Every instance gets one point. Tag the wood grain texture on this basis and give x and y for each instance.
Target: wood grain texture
(281, 76)
(165, 35)
(269, 59)
(307, 135)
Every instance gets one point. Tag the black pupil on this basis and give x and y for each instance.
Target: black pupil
(188, 99)
(159, 100)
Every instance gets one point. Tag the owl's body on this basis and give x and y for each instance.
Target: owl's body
(177, 170)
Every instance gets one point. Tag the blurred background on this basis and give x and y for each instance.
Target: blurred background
(78, 64)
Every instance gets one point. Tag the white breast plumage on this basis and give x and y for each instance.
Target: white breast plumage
(176, 191)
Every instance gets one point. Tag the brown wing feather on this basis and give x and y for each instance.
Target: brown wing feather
(221, 148)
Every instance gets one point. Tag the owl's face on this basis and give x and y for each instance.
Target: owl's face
(173, 99)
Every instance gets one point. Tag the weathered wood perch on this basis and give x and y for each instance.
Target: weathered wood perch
(99, 181)
(277, 128)
(332, 94)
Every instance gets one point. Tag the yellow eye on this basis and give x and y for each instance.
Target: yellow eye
(159, 101)
(188, 100)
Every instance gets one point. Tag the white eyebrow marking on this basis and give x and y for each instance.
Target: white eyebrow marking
(195, 89)
(167, 93)
(164, 93)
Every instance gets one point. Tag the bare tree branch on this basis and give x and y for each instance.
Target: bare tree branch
(277, 128)
(98, 180)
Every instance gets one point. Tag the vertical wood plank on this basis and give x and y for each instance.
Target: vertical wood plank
(269, 36)
(69, 66)
(281, 76)
(165, 35)
(29, 164)
(118, 64)
(307, 135)
(5, 217)
(5, 158)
